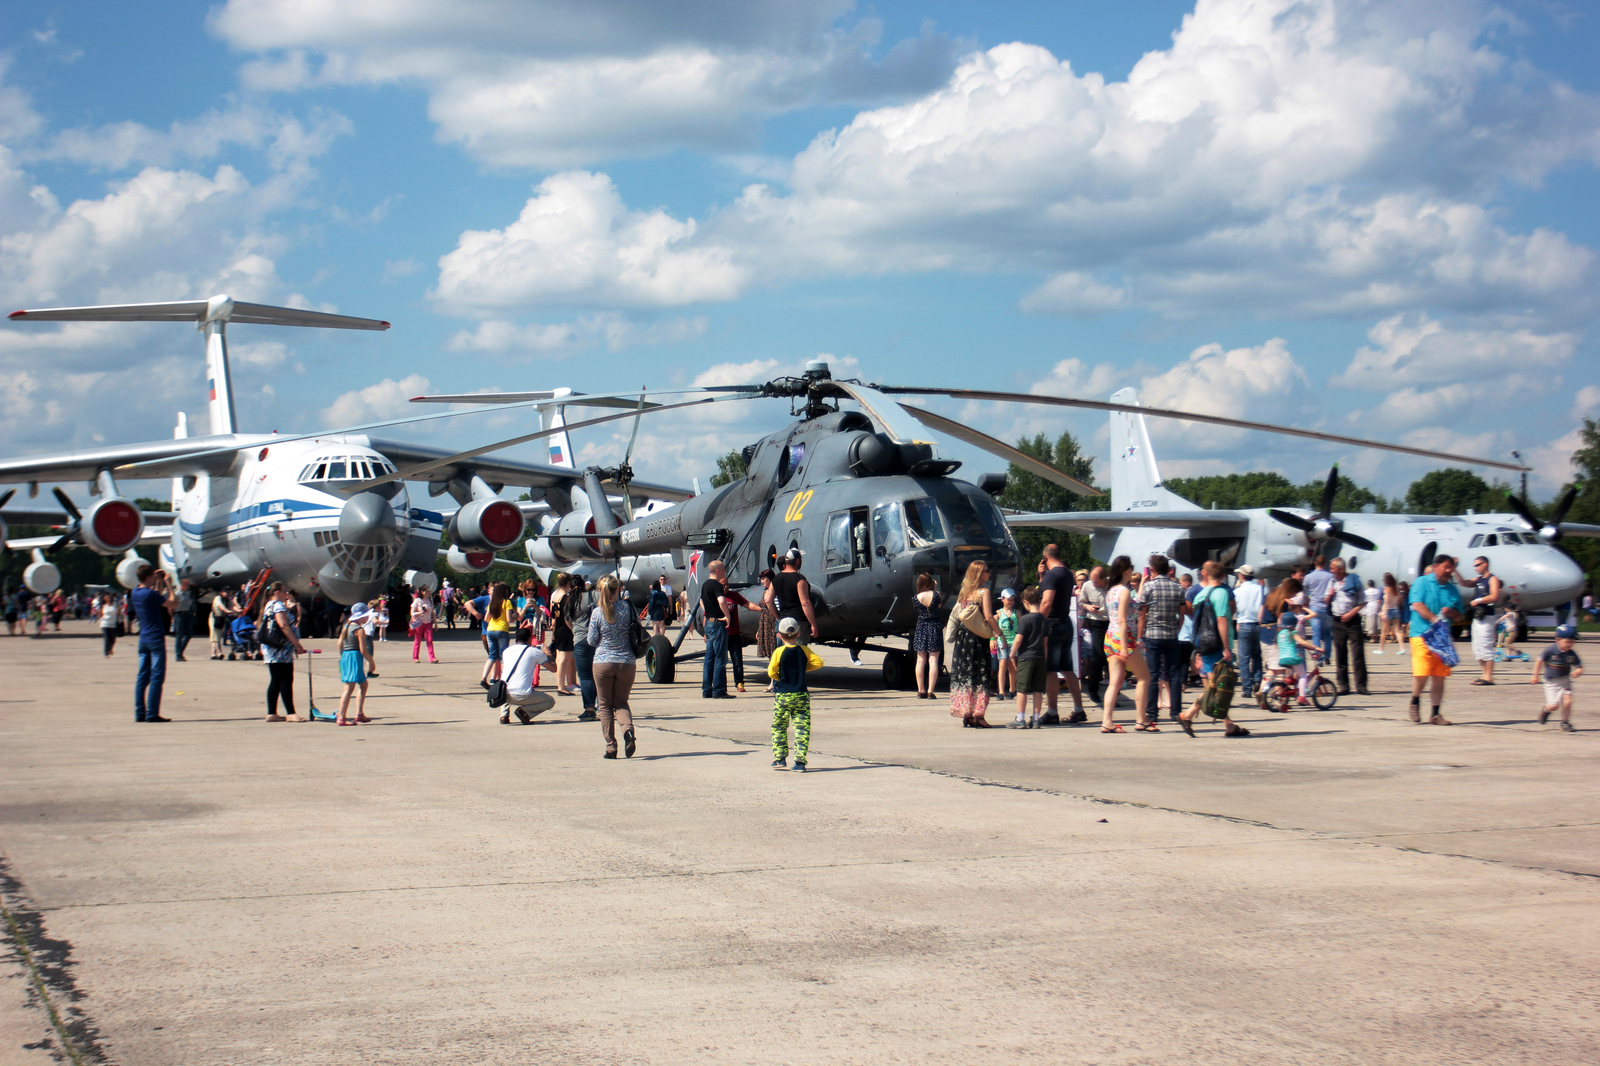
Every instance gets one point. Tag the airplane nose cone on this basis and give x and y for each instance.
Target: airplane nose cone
(1550, 580)
(367, 518)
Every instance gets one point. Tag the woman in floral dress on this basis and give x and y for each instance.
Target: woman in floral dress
(969, 659)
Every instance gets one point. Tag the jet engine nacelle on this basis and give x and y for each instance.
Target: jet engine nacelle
(487, 526)
(42, 578)
(112, 526)
(468, 562)
(573, 539)
(423, 580)
(541, 552)
(128, 571)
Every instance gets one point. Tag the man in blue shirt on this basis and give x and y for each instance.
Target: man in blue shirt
(1433, 596)
(1319, 591)
(150, 601)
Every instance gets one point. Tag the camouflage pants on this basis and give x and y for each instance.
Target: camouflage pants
(787, 707)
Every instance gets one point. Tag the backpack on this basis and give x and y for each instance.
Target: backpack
(1207, 641)
(1218, 697)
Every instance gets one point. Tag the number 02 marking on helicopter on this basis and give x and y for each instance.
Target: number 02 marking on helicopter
(797, 506)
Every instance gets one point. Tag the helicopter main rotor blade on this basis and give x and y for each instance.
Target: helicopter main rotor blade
(416, 471)
(999, 448)
(627, 459)
(1191, 416)
(887, 413)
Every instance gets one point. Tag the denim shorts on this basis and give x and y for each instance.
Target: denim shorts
(499, 640)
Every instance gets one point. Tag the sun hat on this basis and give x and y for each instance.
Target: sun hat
(1246, 571)
(359, 611)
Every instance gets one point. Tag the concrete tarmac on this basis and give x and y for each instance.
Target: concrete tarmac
(1341, 887)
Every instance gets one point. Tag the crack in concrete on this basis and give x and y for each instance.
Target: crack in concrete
(48, 965)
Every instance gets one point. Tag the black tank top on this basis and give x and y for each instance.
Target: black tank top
(1480, 588)
(788, 586)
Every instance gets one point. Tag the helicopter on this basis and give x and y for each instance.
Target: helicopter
(863, 494)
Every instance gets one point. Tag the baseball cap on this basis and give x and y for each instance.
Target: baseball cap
(1007, 592)
(788, 627)
(1567, 632)
(793, 555)
(1246, 571)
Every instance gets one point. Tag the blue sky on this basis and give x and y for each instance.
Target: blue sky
(1373, 218)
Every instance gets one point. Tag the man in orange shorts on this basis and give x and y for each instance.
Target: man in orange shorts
(1433, 595)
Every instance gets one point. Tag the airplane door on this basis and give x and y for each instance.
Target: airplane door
(1425, 560)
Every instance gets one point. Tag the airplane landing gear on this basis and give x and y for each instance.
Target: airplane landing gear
(659, 664)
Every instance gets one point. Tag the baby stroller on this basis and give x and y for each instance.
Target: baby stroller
(240, 639)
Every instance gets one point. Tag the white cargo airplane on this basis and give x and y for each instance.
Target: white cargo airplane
(1149, 518)
(249, 503)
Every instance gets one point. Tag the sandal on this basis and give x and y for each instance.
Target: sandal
(362, 718)
(1238, 731)
(1188, 726)
(342, 721)
(1481, 681)
(1113, 729)
(1148, 727)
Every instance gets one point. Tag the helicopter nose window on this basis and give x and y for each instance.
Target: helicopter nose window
(923, 524)
(888, 532)
(974, 524)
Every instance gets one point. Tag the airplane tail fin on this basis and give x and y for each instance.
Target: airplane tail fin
(1135, 477)
(560, 443)
(212, 316)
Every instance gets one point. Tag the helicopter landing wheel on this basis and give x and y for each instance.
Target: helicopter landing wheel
(898, 672)
(659, 664)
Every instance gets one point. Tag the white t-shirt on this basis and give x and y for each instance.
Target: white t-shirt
(108, 615)
(1374, 598)
(519, 662)
(1248, 597)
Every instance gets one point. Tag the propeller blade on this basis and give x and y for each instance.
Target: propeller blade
(1190, 416)
(417, 471)
(1329, 491)
(1357, 541)
(999, 448)
(67, 504)
(1305, 525)
(63, 542)
(7, 497)
(1522, 510)
(1555, 519)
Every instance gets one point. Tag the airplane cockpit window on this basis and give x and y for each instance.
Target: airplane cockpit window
(923, 524)
(1490, 541)
(1477, 541)
(336, 471)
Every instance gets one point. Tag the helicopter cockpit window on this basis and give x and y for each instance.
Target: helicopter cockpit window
(836, 547)
(789, 462)
(973, 521)
(888, 531)
(923, 524)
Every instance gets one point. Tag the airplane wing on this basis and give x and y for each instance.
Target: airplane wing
(31, 516)
(149, 536)
(1090, 522)
(513, 472)
(1579, 529)
(86, 464)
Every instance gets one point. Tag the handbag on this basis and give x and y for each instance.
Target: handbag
(971, 616)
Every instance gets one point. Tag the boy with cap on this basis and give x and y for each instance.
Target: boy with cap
(1560, 664)
(1029, 648)
(791, 699)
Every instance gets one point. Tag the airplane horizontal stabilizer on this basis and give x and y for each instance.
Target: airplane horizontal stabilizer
(195, 311)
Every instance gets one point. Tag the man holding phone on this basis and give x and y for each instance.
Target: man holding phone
(150, 601)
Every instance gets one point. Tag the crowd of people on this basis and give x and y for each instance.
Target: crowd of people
(1098, 631)
(1093, 633)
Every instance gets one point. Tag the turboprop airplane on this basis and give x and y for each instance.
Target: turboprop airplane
(249, 503)
(1149, 518)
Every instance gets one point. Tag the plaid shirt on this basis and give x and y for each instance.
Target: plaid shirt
(1162, 599)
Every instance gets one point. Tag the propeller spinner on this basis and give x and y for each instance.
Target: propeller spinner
(1324, 526)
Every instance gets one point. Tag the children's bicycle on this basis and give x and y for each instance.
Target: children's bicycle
(1284, 691)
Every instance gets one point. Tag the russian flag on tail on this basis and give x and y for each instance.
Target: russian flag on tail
(211, 383)
(555, 453)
